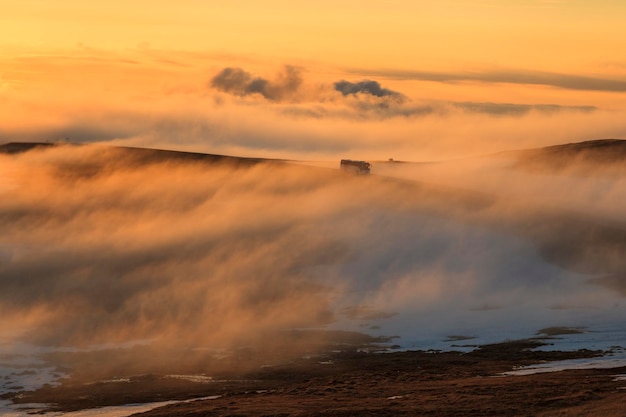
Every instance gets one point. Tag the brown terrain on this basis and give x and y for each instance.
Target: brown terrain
(355, 382)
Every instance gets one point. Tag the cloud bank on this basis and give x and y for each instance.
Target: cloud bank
(564, 81)
(510, 109)
(198, 102)
(105, 245)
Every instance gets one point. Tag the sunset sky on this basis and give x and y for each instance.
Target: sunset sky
(450, 77)
(110, 245)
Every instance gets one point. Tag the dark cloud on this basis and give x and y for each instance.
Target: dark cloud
(365, 87)
(239, 82)
(566, 81)
(232, 80)
(511, 109)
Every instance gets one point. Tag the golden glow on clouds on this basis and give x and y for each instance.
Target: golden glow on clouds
(67, 67)
(313, 80)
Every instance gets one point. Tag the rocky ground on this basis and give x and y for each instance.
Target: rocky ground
(358, 383)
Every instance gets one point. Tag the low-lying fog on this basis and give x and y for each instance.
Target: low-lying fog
(99, 247)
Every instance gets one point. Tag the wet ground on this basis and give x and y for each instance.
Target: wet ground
(354, 382)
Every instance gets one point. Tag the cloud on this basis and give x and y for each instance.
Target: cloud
(511, 109)
(372, 97)
(358, 109)
(368, 99)
(373, 108)
(565, 81)
(363, 99)
(170, 107)
(239, 82)
(365, 87)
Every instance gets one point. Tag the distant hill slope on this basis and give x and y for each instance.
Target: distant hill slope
(140, 155)
(19, 147)
(587, 155)
(591, 152)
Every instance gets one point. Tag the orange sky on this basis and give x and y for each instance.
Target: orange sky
(69, 66)
(552, 35)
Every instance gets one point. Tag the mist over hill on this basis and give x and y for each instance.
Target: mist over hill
(172, 204)
(114, 245)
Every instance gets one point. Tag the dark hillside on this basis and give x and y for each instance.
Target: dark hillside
(141, 155)
(588, 155)
(19, 147)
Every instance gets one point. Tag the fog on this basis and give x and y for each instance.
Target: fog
(105, 246)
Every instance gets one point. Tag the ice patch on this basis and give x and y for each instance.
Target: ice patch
(22, 369)
(193, 378)
(110, 381)
(605, 362)
(21, 410)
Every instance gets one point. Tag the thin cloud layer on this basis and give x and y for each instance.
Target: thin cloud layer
(564, 81)
(511, 109)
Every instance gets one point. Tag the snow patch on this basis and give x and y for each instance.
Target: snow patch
(605, 362)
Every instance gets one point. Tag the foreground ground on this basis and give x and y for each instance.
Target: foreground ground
(357, 383)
